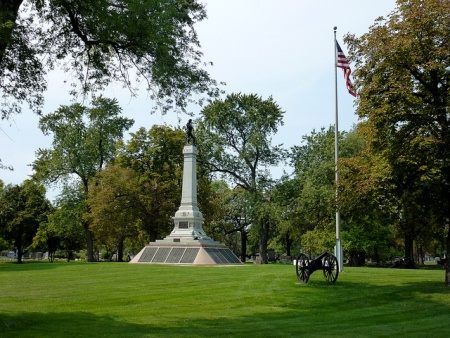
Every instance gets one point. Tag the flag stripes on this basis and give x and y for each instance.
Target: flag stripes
(343, 63)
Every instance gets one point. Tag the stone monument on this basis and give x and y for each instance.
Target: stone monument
(188, 243)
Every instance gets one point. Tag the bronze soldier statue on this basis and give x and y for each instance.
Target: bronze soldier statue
(189, 129)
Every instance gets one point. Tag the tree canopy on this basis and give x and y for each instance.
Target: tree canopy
(403, 80)
(64, 229)
(156, 156)
(22, 209)
(312, 205)
(84, 142)
(99, 42)
(235, 136)
(115, 206)
(235, 141)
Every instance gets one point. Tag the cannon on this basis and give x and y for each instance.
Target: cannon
(326, 261)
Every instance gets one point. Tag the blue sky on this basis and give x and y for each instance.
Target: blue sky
(282, 49)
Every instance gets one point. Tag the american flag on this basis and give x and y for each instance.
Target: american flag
(343, 63)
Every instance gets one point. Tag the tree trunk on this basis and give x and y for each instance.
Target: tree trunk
(409, 242)
(357, 258)
(153, 234)
(120, 251)
(89, 244)
(288, 245)
(263, 236)
(447, 273)
(18, 245)
(420, 255)
(447, 262)
(376, 256)
(244, 236)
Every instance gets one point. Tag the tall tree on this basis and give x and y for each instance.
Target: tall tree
(231, 217)
(100, 42)
(22, 209)
(235, 140)
(156, 156)
(46, 240)
(64, 229)
(313, 207)
(84, 142)
(366, 202)
(288, 228)
(115, 204)
(403, 80)
(313, 163)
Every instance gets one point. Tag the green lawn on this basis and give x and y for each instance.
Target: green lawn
(127, 300)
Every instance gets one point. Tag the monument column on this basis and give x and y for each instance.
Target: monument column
(188, 220)
(189, 190)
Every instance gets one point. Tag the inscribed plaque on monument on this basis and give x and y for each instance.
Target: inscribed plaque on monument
(183, 225)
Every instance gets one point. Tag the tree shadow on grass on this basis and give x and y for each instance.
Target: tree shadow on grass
(11, 266)
(67, 324)
(368, 295)
(291, 323)
(81, 324)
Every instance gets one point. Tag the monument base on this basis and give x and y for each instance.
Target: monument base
(192, 252)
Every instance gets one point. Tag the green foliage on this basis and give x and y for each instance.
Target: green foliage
(5, 167)
(46, 240)
(314, 165)
(115, 207)
(209, 201)
(64, 229)
(22, 209)
(235, 138)
(367, 237)
(231, 217)
(312, 202)
(234, 135)
(22, 74)
(366, 204)
(100, 42)
(364, 229)
(84, 141)
(4, 244)
(403, 79)
(287, 235)
(320, 239)
(156, 157)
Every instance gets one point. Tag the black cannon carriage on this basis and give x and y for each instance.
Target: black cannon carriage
(326, 262)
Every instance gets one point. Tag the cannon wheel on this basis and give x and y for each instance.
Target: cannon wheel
(330, 268)
(302, 268)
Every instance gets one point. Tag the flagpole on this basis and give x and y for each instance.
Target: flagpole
(338, 248)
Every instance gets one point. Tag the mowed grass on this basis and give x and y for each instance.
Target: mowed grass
(128, 300)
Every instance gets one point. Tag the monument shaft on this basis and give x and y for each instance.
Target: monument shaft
(188, 219)
(189, 190)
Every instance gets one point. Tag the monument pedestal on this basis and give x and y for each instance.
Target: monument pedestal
(188, 242)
